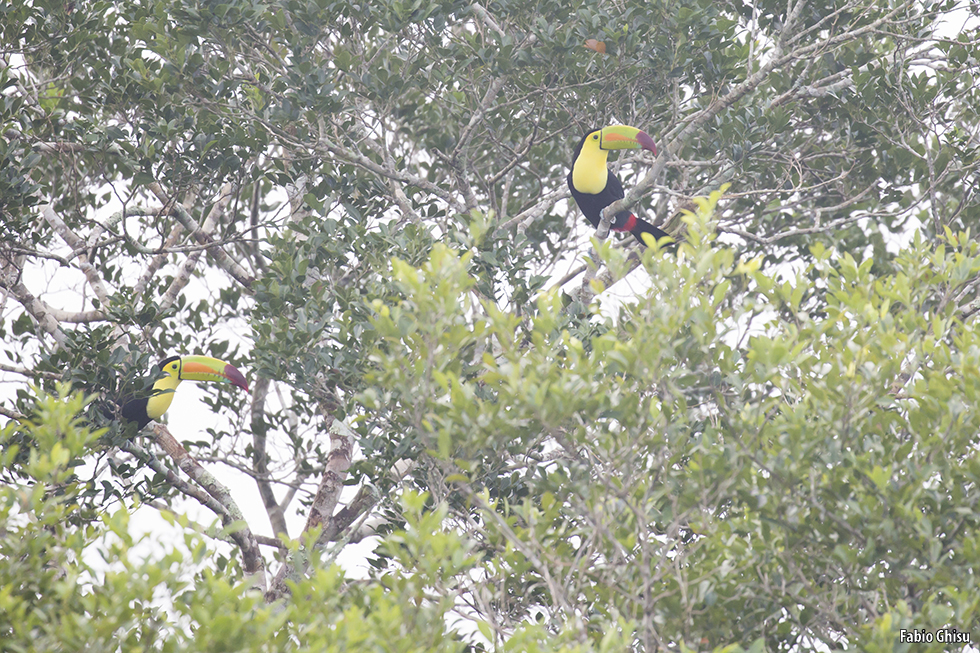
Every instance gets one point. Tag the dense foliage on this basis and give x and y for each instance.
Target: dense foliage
(771, 443)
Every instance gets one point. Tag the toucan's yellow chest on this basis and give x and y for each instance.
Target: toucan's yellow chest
(160, 402)
(589, 172)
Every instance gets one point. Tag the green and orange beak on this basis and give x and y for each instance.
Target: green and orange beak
(205, 368)
(624, 137)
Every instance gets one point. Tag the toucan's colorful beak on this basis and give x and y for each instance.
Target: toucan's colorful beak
(205, 368)
(624, 137)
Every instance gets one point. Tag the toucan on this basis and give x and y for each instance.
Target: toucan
(594, 187)
(142, 410)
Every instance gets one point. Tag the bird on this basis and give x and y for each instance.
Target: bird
(143, 410)
(594, 187)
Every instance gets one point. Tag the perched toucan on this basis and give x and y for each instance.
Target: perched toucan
(187, 368)
(594, 187)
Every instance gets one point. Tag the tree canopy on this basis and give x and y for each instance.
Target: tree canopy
(772, 445)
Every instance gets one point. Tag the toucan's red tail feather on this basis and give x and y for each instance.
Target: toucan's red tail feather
(629, 225)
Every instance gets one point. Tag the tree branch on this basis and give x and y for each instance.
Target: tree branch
(325, 501)
(78, 245)
(225, 262)
(37, 309)
(252, 562)
(260, 456)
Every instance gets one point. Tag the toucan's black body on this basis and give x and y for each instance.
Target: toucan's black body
(134, 410)
(591, 204)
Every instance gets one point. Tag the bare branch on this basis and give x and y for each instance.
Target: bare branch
(12, 414)
(26, 371)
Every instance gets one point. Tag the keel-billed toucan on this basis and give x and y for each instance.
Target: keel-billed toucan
(187, 368)
(594, 187)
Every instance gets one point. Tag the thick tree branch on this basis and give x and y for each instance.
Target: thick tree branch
(325, 501)
(177, 482)
(12, 414)
(252, 562)
(484, 16)
(524, 219)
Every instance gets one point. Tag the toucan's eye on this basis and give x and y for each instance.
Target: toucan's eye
(595, 137)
